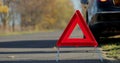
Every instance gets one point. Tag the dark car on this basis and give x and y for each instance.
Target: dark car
(102, 16)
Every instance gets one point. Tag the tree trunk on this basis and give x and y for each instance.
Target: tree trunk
(5, 25)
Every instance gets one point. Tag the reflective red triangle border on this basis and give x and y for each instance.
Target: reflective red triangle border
(89, 39)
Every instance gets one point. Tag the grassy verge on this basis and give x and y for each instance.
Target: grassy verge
(23, 32)
(112, 50)
(17, 33)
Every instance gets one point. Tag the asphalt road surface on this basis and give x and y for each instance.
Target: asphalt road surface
(40, 48)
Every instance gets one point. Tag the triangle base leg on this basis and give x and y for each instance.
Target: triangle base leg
(99, 54)
(57, 55)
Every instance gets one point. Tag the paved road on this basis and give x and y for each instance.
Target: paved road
(39, 48)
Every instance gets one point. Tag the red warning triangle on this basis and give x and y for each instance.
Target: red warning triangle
(89, 39)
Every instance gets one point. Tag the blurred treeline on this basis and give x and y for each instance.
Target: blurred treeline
(31, 15)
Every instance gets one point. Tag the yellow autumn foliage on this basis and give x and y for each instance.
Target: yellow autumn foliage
(4, 9)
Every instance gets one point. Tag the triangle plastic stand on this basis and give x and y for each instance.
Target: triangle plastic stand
(89, 39)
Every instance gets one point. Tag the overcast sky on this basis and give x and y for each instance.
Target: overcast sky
(77, 5)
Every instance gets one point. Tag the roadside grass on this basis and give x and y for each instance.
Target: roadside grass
(17, 33)
(112, 49)
(22, 32)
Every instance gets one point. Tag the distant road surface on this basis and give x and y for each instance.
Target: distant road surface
(39, 48)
